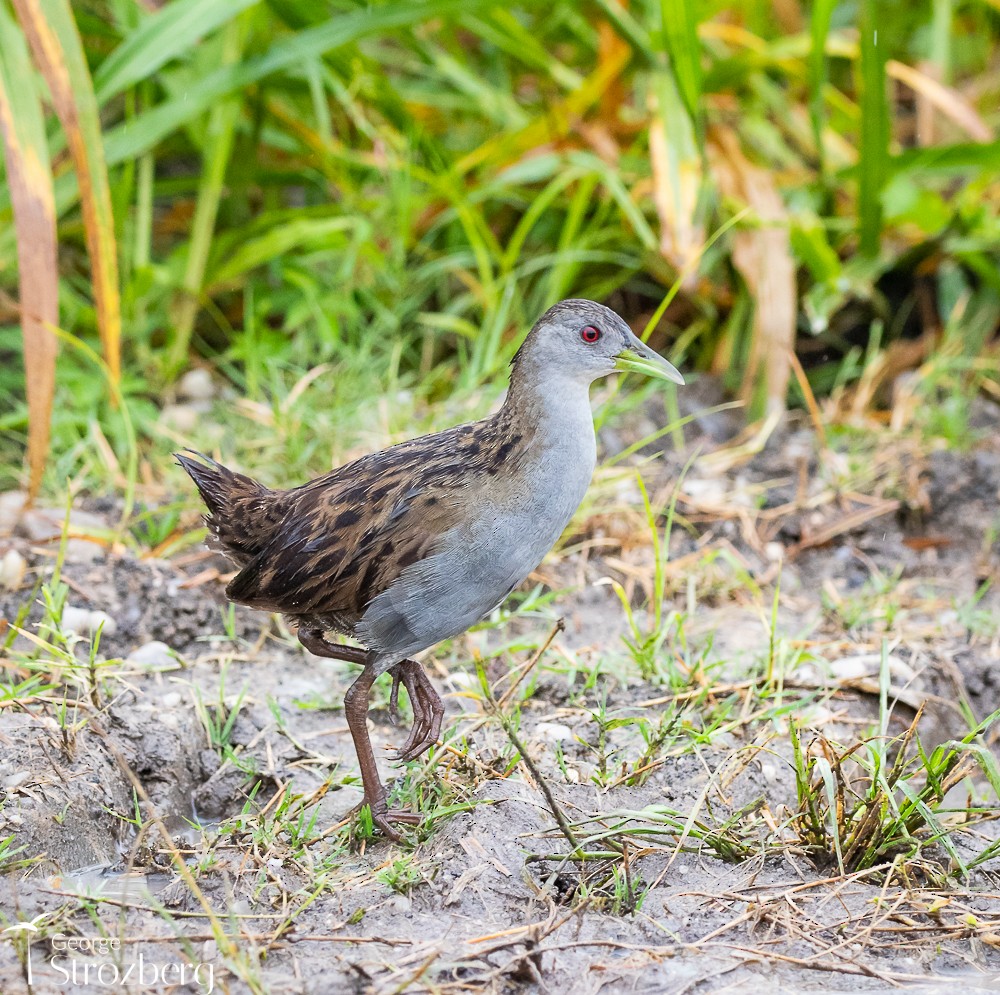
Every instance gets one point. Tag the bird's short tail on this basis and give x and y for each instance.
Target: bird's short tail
(242, 513)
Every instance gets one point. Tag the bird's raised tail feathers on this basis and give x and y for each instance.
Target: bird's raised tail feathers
(243, 515)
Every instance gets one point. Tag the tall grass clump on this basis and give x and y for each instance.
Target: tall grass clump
(396, 189)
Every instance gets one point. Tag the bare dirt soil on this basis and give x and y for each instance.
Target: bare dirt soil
(280, 896)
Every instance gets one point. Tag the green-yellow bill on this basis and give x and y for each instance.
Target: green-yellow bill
(639, 358)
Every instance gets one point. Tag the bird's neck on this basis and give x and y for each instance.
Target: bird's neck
(555, 453)
(558, 405)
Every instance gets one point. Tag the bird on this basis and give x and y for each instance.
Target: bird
(406, 547)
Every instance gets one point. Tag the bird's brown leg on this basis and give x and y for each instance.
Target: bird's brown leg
(356, 710)
(428, 710)
(314, 641)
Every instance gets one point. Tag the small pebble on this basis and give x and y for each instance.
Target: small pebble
(182, 417)
(103, 620)
(399, 903)
(11, 506)
(868, 665)
(84, 622)
(553, 732)
(47, 524)
(12, 569)
(14, 780)
(196, 385)
(154, 655)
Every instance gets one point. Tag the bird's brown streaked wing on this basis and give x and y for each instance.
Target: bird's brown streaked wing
(345, 542)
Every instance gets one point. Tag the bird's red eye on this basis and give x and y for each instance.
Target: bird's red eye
(590, 334)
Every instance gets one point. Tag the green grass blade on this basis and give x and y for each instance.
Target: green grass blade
(819, 28)
(164, 36)
(240, 251)
(288, 52)
(822, 765)
(215, 159)
(873, 163)
(680, 36)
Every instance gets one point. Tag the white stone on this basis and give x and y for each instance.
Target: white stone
(400, 903)
(104, 621)
(75, 620)
(553, 732)
(154, 655)
(12, 569)
(183, 417)
(196, 385)
(84, 622)
(868, 665)
(11, 505)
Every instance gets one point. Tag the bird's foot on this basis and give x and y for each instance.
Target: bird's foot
(383, 817)
(428, 711)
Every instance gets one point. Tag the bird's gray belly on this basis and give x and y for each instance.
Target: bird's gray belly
(475, 568)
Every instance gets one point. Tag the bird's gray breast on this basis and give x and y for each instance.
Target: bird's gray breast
(481, 560)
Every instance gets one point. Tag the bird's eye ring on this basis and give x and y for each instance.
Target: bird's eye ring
(590, 334)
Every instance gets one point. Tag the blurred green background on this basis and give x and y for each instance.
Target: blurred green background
(341, 212)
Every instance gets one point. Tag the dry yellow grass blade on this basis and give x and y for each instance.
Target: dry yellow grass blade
(677, 178)
(30, 180)
(560, 119)
(58, 52)
(763, 257)
(945, 99)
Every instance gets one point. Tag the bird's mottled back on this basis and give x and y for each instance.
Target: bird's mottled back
(328, 547)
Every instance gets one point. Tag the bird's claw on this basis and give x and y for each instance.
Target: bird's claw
(394, 695)
(383, 818)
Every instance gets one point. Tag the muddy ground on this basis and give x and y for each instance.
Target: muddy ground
(893, 542)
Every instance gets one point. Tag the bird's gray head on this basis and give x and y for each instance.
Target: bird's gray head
(583, 340)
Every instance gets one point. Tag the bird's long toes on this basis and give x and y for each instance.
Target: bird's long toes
(383, 822)
(411, 752)
(394, 698)
(437, 717)
(405, 752)
(384, 826)
(404, 815)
